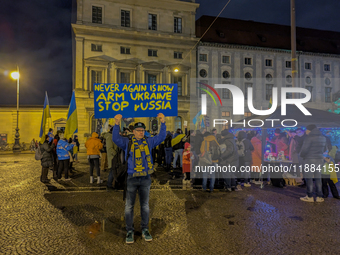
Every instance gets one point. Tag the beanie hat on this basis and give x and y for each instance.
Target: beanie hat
(224, 132)
(310, 127)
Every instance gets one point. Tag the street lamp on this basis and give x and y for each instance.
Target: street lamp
(16, 146)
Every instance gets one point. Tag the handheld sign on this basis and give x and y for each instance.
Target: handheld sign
(134, 100)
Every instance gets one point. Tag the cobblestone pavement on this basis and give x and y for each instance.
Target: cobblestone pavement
(79, 218)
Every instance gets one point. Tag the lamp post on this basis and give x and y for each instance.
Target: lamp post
(16, 146)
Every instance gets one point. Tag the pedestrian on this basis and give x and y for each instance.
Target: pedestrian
(168, 151)
(46, 160)
(112, 150)
(103, 155)
(209, 145)
(186, 164)
(71, 168)
(256, 156)
(32, 145)
(63, 148)
(93, 146)
(245, 149)
(76, 149)
(140, 167)
(329, 178)
(312, 151)
(50, 135)
(229, 157)
(55, 157)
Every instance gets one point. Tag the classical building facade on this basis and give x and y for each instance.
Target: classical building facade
(127, 41)
(252, 54)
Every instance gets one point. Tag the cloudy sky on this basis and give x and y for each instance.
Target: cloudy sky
(36, 35)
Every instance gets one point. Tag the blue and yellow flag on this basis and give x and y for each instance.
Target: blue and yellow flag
(72, 119)
(45, 116)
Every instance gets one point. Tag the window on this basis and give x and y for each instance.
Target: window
(247, 114)
(328, 95)
(289, 78)
(247, 61)
(308, 80)
(269, 91)
(124, 77)
(225, 59)
(178, 55)
(178, 80)
(199, 91)
(203, 57)
(269, 77)
(269, 62)
(96, 77)
(178, 122)
(152, 22)
(289, 95)
(94, 124)
(152, 78)
(152, 53)
(125, 18)
(308, 66)
(203, 73)
(327, 81)
(326, 67)
(248, 76)
(177, 25)
(124, 50)
(225, 114)
(226, 75)
(96, 47)
(96, 14)
(310, 88)
(225, 92)
(247, 85)
(288, 64)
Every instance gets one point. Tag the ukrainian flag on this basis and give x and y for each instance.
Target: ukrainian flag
(72, 119)
(45, 116)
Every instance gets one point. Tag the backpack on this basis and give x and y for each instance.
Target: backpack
(215, 151)
(38, 155)
(241, 149)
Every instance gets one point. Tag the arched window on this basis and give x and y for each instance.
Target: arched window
(178, 122)
(93, 124)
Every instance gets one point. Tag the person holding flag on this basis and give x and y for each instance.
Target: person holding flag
(45, 116)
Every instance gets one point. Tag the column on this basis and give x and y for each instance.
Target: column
(79, 62)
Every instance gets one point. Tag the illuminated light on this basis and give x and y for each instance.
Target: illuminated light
(176, 70)
(15, 75)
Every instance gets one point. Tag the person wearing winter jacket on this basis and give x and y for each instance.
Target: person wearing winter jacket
(47, 160)
(63, 148)
(168, 151)
(256, 156)
(186, 163)
(229, 156)
(245, 149)
(93, 146)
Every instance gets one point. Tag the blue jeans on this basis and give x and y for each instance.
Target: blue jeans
(142, 185)
(205, 180)
(309, 175)
(168, 155)
(179, 153)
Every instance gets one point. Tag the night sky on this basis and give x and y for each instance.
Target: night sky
(36, 35)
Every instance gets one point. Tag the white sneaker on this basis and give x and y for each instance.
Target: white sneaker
(319, 199)
(68, 179)
(91, 179)
(258, 183)
(307, 199)
(238, 188)
(252, 181)
(247, 184)
(98, 180)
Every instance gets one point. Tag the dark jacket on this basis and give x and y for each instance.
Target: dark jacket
(314, 145)
(167, 141)
(248, 147)
(299, 142)
(196, 143)
(46, 152)
(230, 155)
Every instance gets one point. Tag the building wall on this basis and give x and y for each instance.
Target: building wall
(110, 63)
(259, 70)
(29, 121)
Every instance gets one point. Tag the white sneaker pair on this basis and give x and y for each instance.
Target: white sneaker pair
(311, 199)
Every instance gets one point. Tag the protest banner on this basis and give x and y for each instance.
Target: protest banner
(134, 100)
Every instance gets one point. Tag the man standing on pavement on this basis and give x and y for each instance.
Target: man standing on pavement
(312, 153)
(139, 169)
(112, 150)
